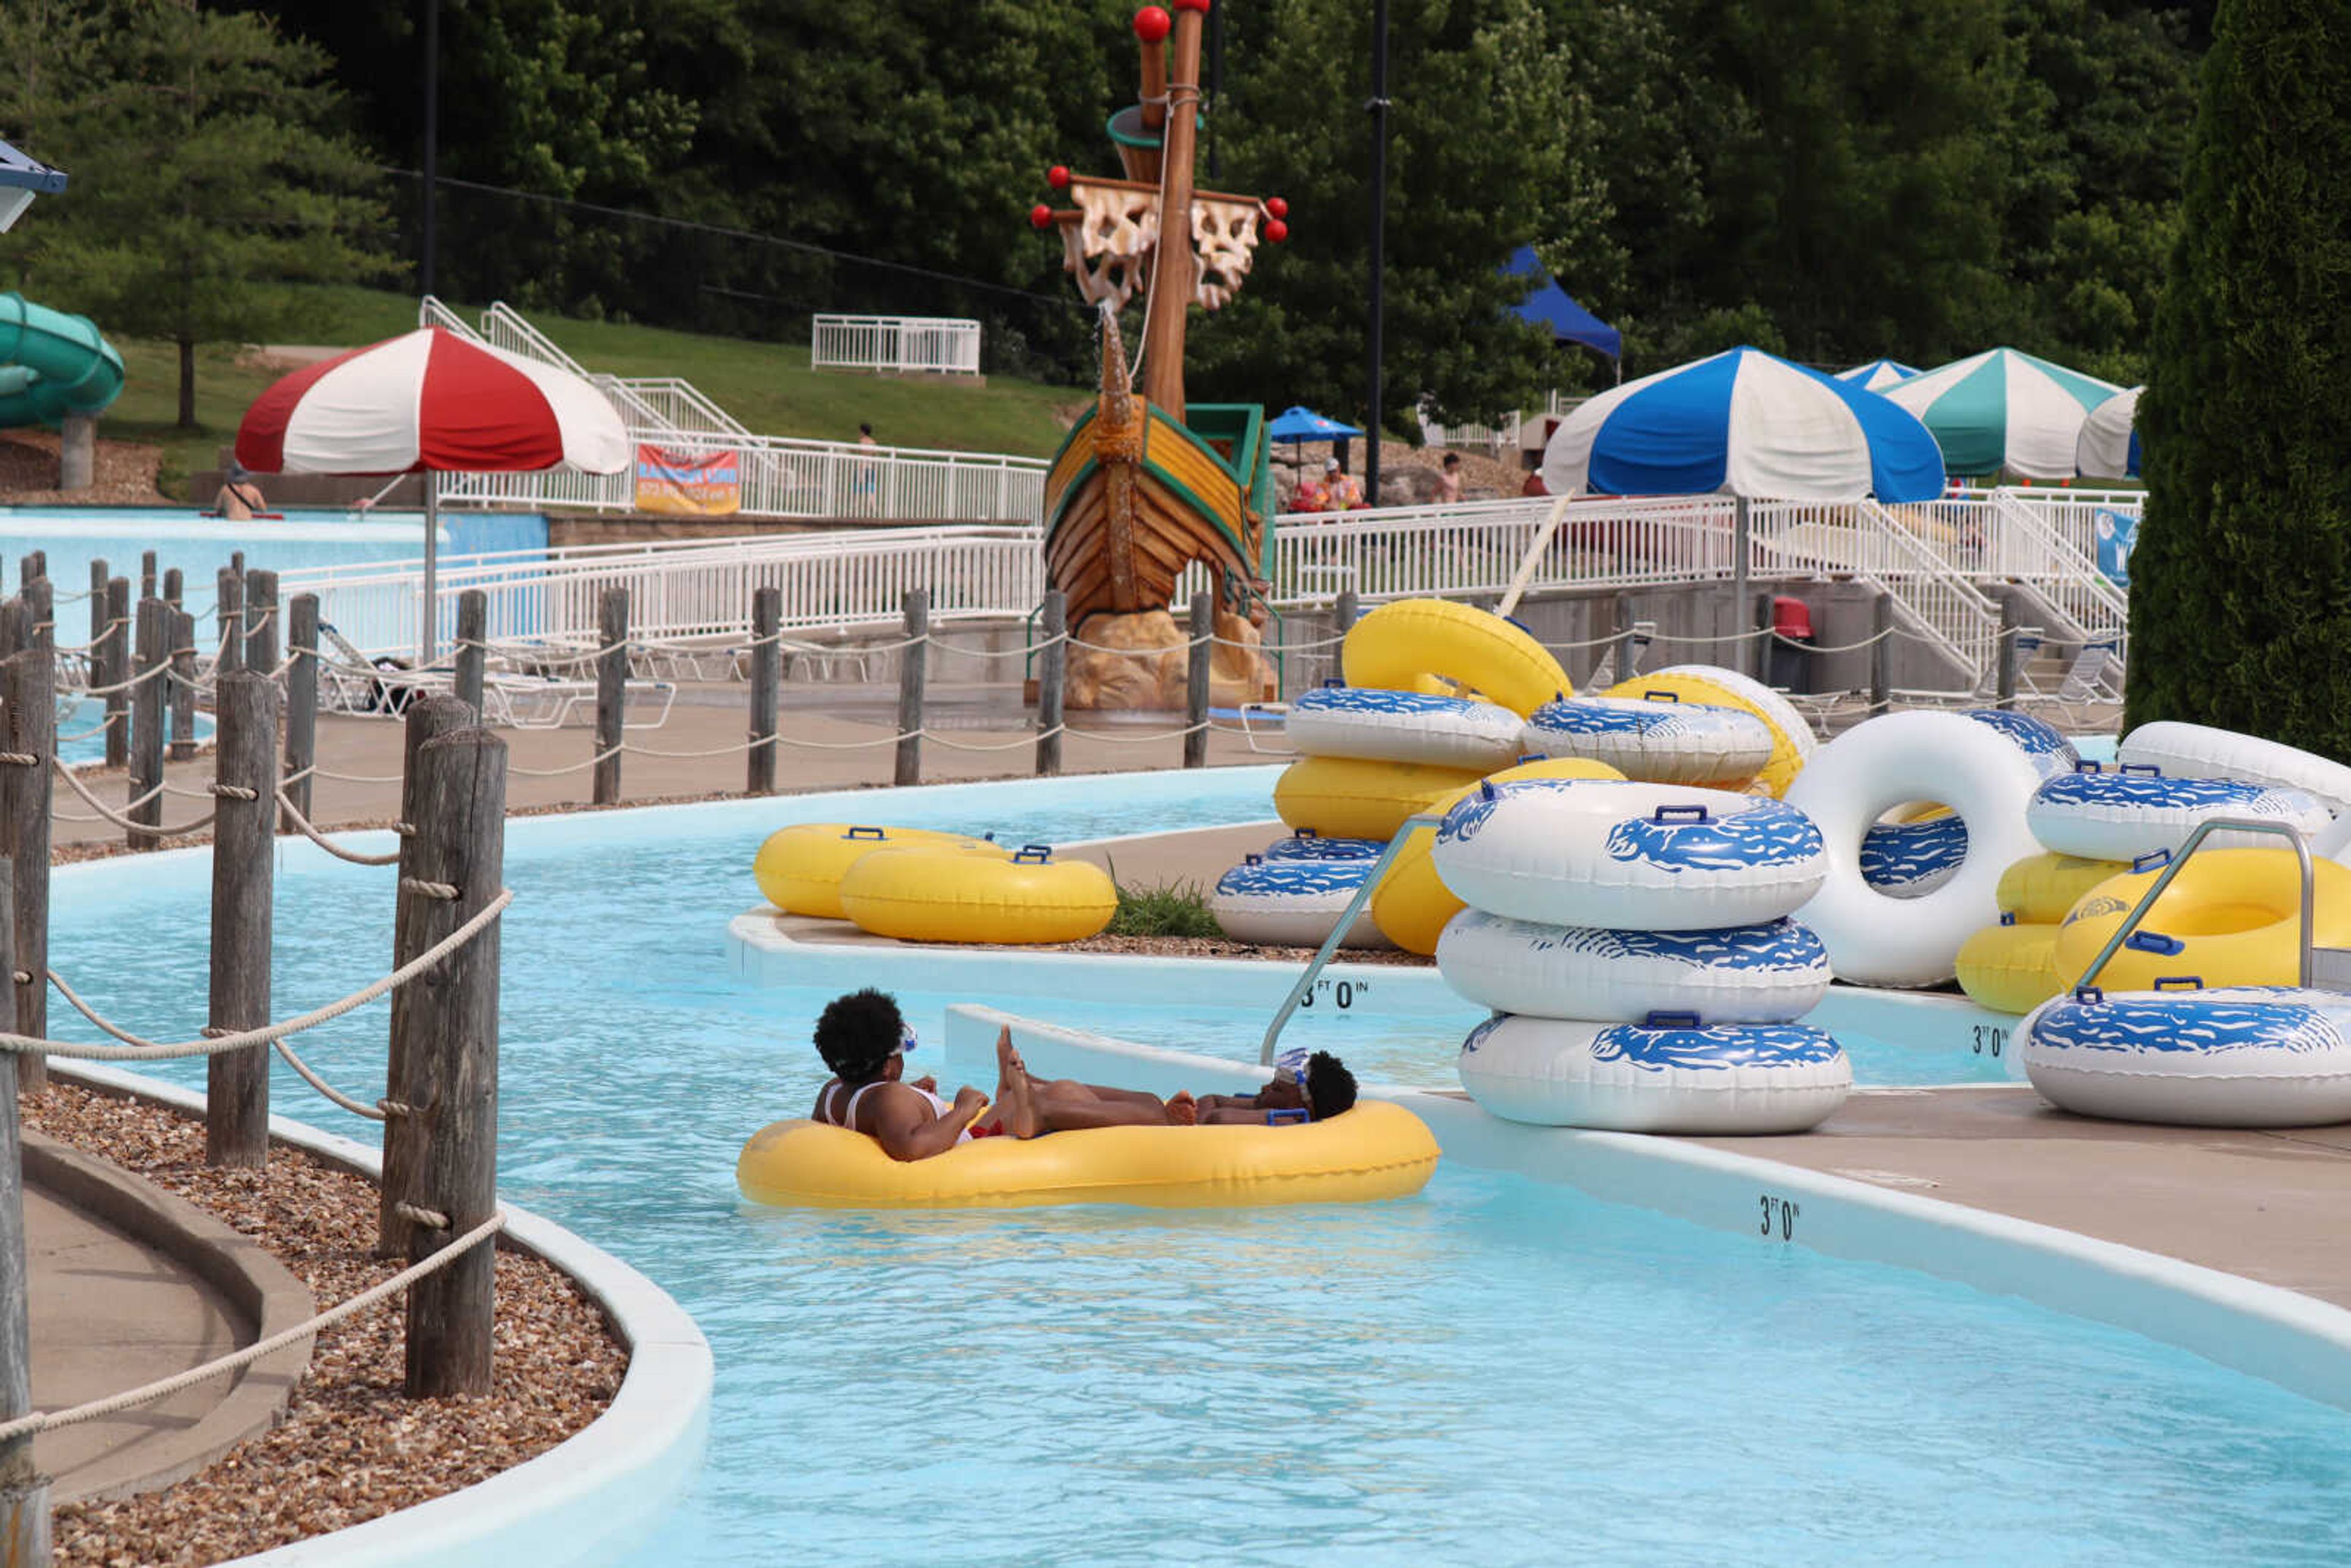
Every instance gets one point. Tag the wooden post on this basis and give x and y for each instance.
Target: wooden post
(611, 691)
(1344, 616)
(98, 576)
(1203, 627)
(16, 626)
(146, 574)
(236, 1083)
(1881, 652)
(41, 613)
(427, 718)
(1628, 642)
(228, 619)
(236, 562)
(148, 700)
(173, 590)
(23, 1491)
(766, 689)
(301, 702)
(2009, 661)
(913, 673)
(453, 1055)
(1755, 652)
(183, 681)
(118, 669)
(472, 650)
(29, 695)
(30, 565)
(1052, 678)
(261, 621)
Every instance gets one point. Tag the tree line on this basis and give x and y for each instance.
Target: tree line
(1833, 180)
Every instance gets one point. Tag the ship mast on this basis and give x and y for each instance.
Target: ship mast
(1175, 270)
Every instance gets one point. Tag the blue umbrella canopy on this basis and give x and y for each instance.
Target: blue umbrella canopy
(1297, 424)
(1744, 423)
(1549, 305)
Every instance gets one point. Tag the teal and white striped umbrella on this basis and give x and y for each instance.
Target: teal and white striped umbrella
(1878, 374)
(2004, 410)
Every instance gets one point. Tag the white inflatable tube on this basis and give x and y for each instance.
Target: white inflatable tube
(1911, 859)
(1747, 974)
(2123, 815)
(1732, 1078)
(1875, 940)
(2253, 1056)
(1378, 726)
(2200, 751)
(1657, 857)
(1306, 844)
(1657, 740)
(1294, 904)
(2038, 739)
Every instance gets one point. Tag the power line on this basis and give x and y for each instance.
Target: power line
(726, 231)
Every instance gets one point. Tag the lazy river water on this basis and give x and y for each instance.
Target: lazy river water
(1498, 1370)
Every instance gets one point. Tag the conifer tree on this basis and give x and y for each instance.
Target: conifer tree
(2240, 583)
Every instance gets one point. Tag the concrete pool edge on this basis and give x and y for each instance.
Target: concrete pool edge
(646, 1446)
(2294, 1341)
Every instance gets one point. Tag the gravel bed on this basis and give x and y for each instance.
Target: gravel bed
(351, 1445)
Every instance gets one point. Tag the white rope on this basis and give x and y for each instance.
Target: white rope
(994, 745)
(372, 1113)
(850, 745)
(351, 777)
(147, 1394)
(144, 677)
(574, 768)
(1192, 642)
(739, 745)
(120, 821)
(1143, 739)
(1306, 646)
(268, 1034)
(101, 728)
(302, 825)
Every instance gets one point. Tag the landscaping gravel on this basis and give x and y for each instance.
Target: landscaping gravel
(350, 1445)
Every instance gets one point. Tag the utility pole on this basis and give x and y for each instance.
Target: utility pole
(1379, 111)
(424, 278)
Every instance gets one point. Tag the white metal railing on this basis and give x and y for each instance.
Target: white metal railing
(1863, 539)
(777, 477)
(2035, 551)
(929, 345)
(1493, 439)
(829, 580)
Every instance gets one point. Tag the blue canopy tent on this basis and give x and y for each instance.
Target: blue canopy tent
(1297, 424)
(1549, 305)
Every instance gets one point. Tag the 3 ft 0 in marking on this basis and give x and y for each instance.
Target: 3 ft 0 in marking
(1990, 1040)
(1341, 994)
(1779, 1216)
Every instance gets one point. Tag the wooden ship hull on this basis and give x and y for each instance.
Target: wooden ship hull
(1136, 496)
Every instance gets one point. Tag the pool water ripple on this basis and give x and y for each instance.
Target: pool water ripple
(1496, 1372)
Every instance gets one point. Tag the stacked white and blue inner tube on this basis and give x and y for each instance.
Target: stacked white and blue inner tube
(1297, 890)
(1658, 738)
(2241, 1056)
(2135, 809)
(1634, 942)
(1912, 859)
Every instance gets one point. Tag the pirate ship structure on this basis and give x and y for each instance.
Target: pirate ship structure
(1146, 484)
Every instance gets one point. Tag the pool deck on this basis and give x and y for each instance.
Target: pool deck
(2269, 1205)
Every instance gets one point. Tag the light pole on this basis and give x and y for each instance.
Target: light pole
(1379, 111)
(431, 137)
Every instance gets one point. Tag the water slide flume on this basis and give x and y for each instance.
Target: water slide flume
(52, 365)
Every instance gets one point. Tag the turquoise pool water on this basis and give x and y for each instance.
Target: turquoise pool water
(81, 740)
(1498, 1371)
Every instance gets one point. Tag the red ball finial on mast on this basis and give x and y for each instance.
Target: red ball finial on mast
(1058, 176)
(1151, 25)
(1200, 5)
(1040, 216)
(1276, 208)
(1275, 230)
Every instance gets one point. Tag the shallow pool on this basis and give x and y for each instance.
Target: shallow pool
(1496, 1370)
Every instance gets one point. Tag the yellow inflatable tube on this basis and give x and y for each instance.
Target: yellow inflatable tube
(2012, 968)
(1396, 644)
(2042, 889)
(1350, 798)
(1411, 904)
(954, 895)
(1374, 1151)
(2230, 917)
(800, 868)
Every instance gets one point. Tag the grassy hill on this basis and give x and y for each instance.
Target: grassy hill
(769, 387)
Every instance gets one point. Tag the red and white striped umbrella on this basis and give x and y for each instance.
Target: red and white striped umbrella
(431, 401)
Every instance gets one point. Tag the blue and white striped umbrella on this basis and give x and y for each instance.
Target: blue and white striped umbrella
(1745, 423)
(1878, 374)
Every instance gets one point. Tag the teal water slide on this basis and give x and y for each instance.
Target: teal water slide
(52, 365)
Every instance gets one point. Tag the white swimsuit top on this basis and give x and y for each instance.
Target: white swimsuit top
(829, 1109)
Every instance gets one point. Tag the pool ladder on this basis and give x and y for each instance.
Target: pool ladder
(1346, 924)
(2327, 968)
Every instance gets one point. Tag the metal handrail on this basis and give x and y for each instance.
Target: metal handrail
(1339, 932)
(2187, 853)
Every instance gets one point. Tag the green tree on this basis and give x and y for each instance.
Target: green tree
(1489, 151)
(2241, 585)
(201, 182)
